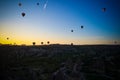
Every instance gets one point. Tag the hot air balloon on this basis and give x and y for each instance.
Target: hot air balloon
(103, 9)
(48, 42)
(20, 4)
(37, 3)
(7, 38)
(82, 27)
(34, 43)
(42, 43)
(115, 42)
(71, 30)
(23, 14)
(71, 44)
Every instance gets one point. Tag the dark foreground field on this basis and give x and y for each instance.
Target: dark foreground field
(60, 62)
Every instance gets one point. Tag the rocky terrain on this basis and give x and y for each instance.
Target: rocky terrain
(60, 62)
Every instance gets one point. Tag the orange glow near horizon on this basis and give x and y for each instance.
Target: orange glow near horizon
(28, 41)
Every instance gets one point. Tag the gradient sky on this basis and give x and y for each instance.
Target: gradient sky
(53, 20)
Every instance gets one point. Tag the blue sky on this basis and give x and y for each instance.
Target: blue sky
(53, 20)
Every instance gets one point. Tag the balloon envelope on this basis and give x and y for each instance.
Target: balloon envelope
(115, 42)
(20, 4)
(71, 30)
(7, 38)
(37, 3)
(103, 9)
(81, 26)
(23, 14)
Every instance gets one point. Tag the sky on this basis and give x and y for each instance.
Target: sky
(53, 20)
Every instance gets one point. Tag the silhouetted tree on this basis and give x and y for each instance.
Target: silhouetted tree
(34, 43)
(14, 43)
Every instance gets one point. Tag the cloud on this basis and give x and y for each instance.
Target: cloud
(45, 5)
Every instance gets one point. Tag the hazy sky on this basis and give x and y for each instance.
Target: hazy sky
(53, 20)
